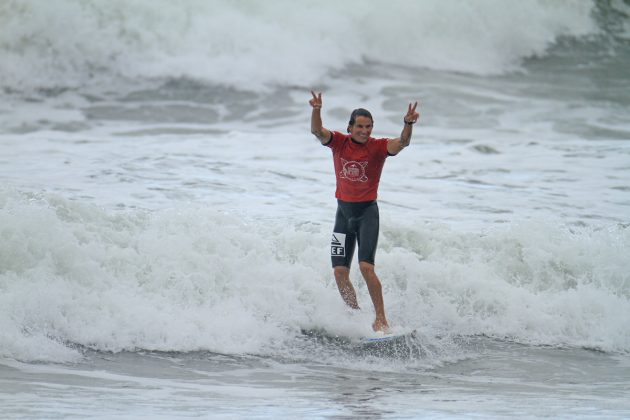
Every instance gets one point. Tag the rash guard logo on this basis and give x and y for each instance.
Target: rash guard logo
(353, 170)
(338, 245)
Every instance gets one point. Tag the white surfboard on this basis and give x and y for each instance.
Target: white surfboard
(377, 339)
(387, 337)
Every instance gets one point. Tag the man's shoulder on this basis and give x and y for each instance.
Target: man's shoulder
(379, 143)
(379, 139)
(340, 136)
(336, 138)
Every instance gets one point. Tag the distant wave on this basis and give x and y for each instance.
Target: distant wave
(253, 44)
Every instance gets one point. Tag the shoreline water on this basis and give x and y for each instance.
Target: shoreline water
(502, 379)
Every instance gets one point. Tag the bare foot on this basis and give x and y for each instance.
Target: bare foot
(380, 325)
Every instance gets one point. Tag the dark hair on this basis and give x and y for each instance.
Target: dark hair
(360, 112)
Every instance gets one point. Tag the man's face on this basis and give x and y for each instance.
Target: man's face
(361, 129)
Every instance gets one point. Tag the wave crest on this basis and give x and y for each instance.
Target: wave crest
(191, 279)
(250, 44)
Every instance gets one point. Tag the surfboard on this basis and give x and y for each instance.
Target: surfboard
(376, 338)
(387, 338)
(401, 344)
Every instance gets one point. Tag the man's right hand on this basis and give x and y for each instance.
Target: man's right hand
(316, 102)
(323, 135)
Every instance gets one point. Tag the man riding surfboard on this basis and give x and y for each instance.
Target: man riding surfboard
(358, 160)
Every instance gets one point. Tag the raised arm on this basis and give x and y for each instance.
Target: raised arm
(396, 145)
(317, 128)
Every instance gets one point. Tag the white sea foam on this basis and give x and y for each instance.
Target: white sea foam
(251, 44)
(195, 279)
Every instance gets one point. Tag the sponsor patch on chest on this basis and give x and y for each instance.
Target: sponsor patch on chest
(353, 170)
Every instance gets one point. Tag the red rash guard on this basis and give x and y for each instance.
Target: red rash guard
(358, 166)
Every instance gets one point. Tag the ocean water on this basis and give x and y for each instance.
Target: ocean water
(165, 213)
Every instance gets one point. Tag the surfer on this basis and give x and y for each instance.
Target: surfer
(358, 160)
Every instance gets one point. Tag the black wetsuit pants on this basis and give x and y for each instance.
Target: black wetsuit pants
(354, 223)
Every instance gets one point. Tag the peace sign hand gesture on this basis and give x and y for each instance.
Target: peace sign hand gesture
(316, 102)
(412, 116)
